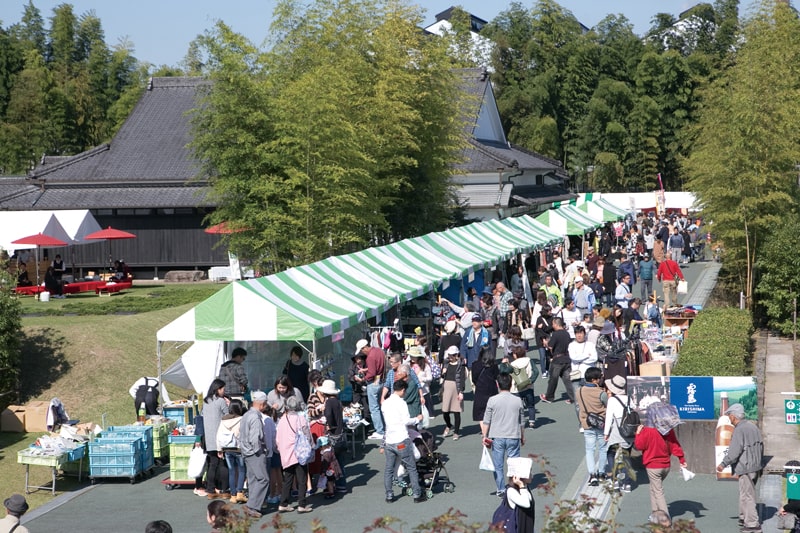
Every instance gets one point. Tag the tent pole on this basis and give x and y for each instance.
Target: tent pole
(160, 376)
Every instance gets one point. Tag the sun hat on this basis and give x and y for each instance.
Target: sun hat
(618, 384)
(453, 350)
(608, 328)
(16, 504)
(599, 322)
(450, 327)
(328, 387)
(415, 351)
(360, 345)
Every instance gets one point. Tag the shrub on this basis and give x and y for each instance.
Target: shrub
(718, 344)
(10, 327)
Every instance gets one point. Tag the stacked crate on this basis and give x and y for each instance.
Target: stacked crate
(115, 457)
(145, 433)
(161, 433)
(180, 448)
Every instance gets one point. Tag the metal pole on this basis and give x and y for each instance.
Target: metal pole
(794, 320)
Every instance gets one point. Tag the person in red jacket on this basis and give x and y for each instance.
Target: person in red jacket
(656, 451)
(668, 273)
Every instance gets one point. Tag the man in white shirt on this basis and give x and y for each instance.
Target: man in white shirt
(397, 444)
(623, 293)
(572, 317)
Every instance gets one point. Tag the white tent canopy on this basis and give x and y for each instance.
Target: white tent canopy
(71, 226)
(197, 367)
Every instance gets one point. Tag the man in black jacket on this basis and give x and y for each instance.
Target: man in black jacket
(560, 364)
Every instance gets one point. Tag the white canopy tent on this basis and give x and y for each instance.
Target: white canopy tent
(197, 367)
(71, 226)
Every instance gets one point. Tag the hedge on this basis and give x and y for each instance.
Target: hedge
(718, 344)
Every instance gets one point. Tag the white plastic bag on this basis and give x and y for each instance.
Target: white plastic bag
(683, 287)
(486, 460)
(687, 474)
(426, 417)
(197, 459)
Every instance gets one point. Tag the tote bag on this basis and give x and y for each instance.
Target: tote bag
(683, 287)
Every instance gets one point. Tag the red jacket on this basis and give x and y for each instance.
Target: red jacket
(376, 359)
(656, 450)
(669, 270)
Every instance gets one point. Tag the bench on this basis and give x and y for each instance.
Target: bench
(184, 275)
(107, 289)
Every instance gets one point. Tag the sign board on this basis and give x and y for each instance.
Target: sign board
(693, 396)
(791, 408)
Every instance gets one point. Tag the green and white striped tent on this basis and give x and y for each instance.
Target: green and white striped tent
(274, 308)
(535, 230)
(568, 220)
(603, 210)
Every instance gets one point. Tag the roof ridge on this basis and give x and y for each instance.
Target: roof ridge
(550, 160)
(36, 173)
(488, 150)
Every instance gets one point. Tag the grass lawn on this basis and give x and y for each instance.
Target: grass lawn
(89, 358)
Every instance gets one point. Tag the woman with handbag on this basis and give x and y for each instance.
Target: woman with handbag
(592, 401)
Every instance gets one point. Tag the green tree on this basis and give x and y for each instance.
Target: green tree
(334, 138)
(10, 334)
(30, 32)
(743, 167)
(778, 282)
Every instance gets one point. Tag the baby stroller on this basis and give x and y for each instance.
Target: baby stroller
(430, 465)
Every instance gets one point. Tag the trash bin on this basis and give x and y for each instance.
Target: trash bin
(792, 471)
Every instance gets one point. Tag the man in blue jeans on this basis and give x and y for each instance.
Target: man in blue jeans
(502, 428)
(397, 444)
(376, 362)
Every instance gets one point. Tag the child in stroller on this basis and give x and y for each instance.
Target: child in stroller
(430, 463)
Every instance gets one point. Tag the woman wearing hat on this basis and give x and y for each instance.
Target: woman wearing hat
(334, 426)
(450, 337)
(619, 448)
(454, 378)
(16, 506)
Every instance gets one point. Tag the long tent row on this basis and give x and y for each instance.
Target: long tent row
(317, 304)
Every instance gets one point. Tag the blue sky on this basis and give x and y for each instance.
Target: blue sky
(161, 30)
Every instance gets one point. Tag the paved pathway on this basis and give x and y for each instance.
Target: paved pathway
(781, 440)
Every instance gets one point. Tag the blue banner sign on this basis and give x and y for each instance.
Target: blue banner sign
(693, 396)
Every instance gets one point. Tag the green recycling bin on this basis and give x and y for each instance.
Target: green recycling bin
(792, 471)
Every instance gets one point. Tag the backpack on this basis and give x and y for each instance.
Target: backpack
(520, 377)
(302, 443)
(505, 516)
(629, 422)
(436, 368)
(228, 439)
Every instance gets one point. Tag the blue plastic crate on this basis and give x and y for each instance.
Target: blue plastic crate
(76, 453)
(182, 414)
(114, 471)
(115, 457)
(143, 432)
(183, 439)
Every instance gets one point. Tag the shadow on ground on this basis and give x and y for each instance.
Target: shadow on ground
(43, 361)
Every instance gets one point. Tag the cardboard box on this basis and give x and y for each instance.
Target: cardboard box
(654, 368)
(36, 416)
(13, 419)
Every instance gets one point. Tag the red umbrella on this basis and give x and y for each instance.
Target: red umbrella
(223, 229)
(40, 239)
(110, 234)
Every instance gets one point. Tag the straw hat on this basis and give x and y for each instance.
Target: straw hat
(328, 387)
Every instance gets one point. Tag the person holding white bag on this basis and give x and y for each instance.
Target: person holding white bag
(502, 428)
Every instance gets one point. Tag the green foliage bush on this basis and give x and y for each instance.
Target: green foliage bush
(10, 327)
(718, 344)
